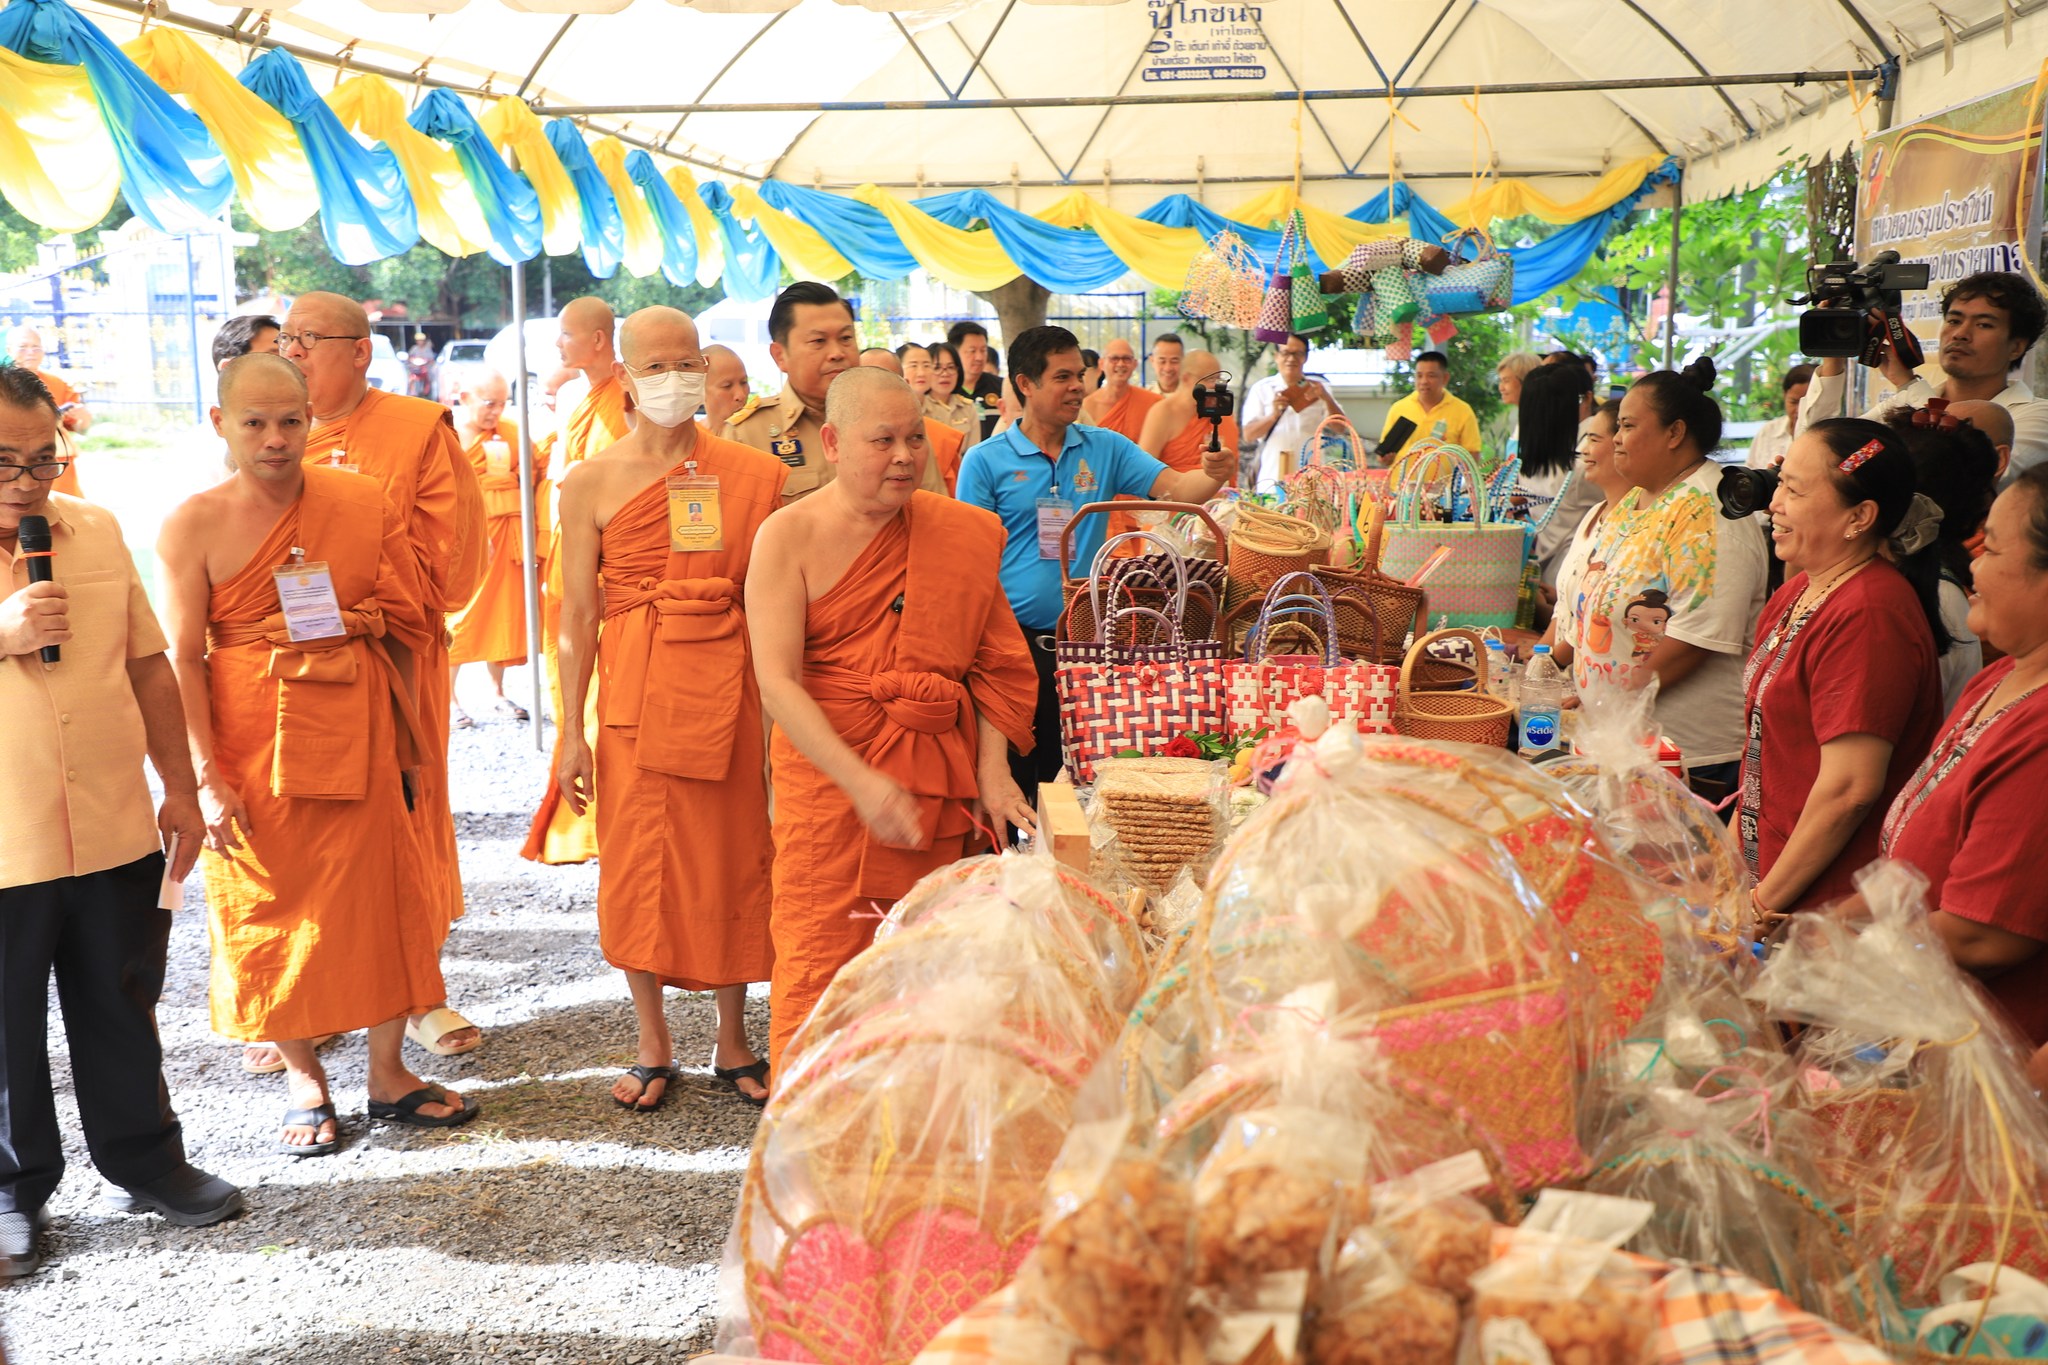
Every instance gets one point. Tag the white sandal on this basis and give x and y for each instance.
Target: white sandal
(437, 1023)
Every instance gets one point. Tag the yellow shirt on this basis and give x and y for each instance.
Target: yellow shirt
(79, 800)
(1461, 425)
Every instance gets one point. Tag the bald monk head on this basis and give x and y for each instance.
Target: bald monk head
(664, 365)
(882, 358)
(874, 433)
(483, 396)
(264, 416)
(25, 348)
(1119, 363)
(1991, 419)
(1199, 368)
(725, 385)
(585, 340)
(328, 337)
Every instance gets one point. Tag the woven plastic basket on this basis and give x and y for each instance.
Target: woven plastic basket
(1473, 717)
(1206, 581)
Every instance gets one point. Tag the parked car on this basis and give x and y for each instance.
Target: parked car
(456, 357)
(387, 370)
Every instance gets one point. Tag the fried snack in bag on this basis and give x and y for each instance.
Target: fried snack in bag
(1372, 1312)
(1152, 820)
(1938, 1140)
(1560, 1295)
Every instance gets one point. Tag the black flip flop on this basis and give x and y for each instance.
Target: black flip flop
(513, 709)
(406, 1111)
(309, 1118)
(648, 1075)
(757, 1072)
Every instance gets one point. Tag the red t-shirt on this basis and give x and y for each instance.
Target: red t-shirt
(1978, 838)
(1863, 665)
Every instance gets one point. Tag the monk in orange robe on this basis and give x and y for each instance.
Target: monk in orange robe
(945, 444)
(303, 727)
(897, 679)
(558, 833)
(656, 536)
(409, 446)
(492, 628)
(1119, 405)
(1173, 433)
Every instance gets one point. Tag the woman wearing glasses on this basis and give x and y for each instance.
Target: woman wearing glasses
(945, 403)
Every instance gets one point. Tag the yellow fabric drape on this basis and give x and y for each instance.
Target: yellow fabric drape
(710, 248)
(1515, 198)
(1160, 255)
(57, 163)
(643, 237)
(802, 247)
(1332, 235)
(512, 127)
(450, 218)
(271, 173)
(963, 259)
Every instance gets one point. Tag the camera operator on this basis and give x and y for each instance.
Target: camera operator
(1176, 433)
(81, 865)
(1988, 322)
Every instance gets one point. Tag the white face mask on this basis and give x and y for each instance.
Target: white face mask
(669, 400)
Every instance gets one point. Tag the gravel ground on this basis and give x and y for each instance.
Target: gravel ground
(556, 1227)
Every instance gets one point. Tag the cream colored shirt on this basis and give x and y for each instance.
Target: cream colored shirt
(78, 801)
(786, 429)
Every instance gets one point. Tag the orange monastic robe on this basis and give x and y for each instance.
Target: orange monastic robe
(901, 653)
(1126, 417)
(682, 827)
(314, 921)
(492, 628)
(1184, 452)
(558, 834)
(946, 446)
(409, 446)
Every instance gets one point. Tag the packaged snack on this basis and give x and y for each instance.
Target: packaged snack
(1558, 1298)
(1372, 1312)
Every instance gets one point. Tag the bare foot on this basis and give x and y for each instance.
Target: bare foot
(726, 1058)
(393, 1088)
(307, 1096)
(261, 1059)
(628, 1090)
(460, 1040)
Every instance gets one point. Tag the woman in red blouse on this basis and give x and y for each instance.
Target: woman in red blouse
(1842, 697)
(1971, 818)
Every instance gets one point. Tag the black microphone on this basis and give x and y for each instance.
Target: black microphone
(34, 535)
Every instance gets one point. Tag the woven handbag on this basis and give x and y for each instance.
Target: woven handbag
(1473, 717)
(1265, 545)
(1276, 310)
(1108, 709)
(1225, 283)
(1334, 443)
(1200, 609)
(1480, 584)
(1159, 581)
(1306, 293)
(1484, 283)
(1262, 686)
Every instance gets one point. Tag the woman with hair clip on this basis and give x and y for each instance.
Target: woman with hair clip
(1970, 818)
(1666, 534)
(1957, 466)
(1841, 696)
(1555, 400)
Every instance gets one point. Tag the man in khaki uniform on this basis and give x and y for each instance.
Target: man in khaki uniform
(812, 337)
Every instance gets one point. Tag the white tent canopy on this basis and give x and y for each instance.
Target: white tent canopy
(1153, 97)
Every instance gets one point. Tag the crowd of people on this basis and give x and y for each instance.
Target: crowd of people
(800, 644)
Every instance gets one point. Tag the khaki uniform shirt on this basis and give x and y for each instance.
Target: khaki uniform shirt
(785, 428)
(79, 801)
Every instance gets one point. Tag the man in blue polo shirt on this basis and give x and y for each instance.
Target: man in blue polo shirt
(1034, 476)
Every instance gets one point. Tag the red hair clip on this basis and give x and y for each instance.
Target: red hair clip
(1860, 457)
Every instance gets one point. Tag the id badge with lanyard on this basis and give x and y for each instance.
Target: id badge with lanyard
(1054, 512)
(305, 592)
(695, 519)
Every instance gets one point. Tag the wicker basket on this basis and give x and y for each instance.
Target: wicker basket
(1357, 630)
(1265, 547)
(1206, 583)
(1473, 717)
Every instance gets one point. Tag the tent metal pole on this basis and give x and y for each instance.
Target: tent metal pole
(1671, 283)
(1203, 97)
(529, 539)
(192, 331)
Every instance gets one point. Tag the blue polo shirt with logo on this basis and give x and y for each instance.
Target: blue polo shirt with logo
(1009, 475)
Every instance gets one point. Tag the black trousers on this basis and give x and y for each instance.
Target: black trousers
(1042, 764)
(106, 941)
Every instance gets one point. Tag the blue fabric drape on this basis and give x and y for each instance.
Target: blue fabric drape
(1182, 211)
(753, 271)
(366, 210)
(859, 233)
(604, 230)
(172, 173)
(510, 205)
(1064, 260)
(678, 235)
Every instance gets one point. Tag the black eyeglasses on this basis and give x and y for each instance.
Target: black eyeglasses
(44, 471)
(306, 341)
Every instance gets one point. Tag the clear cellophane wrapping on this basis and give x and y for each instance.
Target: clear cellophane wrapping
(1931, 1129)
(1154, 820)
(897, 1178)
(1394, 1291)
(1563, 1299)
(1659, 829)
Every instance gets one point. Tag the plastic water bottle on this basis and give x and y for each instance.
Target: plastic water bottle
(1542, 703)
(1500, 677)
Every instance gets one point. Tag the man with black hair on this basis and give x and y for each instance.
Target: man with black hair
(1432, 406)
(1167, 353)
(1034, 476)
(1988, 323)
(256, 333)
(813, 339)
(977, 381)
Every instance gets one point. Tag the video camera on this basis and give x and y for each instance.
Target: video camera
(1212, 405)
(1853, 310)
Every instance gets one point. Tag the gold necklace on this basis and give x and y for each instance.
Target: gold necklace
(1804, 608)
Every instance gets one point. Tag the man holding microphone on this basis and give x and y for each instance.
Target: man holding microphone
(82, 870)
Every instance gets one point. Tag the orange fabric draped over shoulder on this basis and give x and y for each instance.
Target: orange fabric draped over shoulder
(492, 627)
(1184, 452)
(409, 446)
(559, 835)
(946, 446)
(902, 653)
(684, 851)
(1126, 416)
(315, 921)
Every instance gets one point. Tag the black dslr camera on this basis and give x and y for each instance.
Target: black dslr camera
(1213, 403)
(1854, 309)
(1744, 492)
